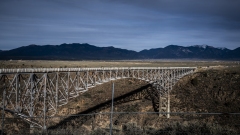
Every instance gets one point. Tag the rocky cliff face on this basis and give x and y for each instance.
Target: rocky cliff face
(210, 91)
(213, 90)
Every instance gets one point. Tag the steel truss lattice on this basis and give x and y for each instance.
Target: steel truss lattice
(32, 93)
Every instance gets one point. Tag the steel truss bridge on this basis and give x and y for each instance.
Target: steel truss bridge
(38, 93)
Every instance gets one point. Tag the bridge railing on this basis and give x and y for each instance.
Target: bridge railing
(44, 70)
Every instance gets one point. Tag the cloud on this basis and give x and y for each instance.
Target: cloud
(130, 24)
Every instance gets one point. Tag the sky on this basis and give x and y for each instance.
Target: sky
(127, 24)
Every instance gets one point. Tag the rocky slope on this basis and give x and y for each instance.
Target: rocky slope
(210, 91)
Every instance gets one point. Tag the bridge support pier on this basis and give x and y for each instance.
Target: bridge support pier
(31, 95)
(164, 106)
(168, 106)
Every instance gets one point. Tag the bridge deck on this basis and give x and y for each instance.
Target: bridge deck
(44, 70)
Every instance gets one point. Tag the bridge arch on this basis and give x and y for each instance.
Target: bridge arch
(39, 92)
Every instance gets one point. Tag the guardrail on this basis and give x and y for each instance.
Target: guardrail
(44, 70)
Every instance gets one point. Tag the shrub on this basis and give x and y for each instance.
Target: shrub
(194, 82)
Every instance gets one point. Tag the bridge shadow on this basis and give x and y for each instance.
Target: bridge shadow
(78, 119)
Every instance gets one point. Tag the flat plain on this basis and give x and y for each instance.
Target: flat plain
(122, 63)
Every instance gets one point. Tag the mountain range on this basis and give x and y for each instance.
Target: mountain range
(77, 51)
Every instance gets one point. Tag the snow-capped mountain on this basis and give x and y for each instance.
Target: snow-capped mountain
(76, 51)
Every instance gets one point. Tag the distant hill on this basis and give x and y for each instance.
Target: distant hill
(76, 51)
(196, 51)
(234, 54)
(73, 51)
